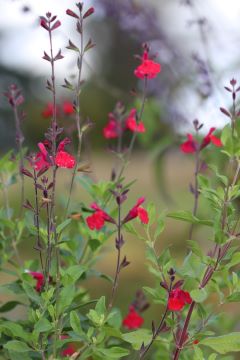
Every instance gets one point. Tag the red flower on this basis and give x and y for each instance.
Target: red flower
(68, 108)
(131, 122)
(178, 299)
(69, 350)
(191, 145)
(211, 138)
(195, 342)
(137, 211)
(112, 129)
(98, 218)
(132, 320)
(148, 68)
(40, 279)
(63, 159)
(48, 111)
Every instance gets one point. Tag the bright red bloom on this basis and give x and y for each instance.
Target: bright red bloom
(40, 280)
(98, 218)
(148, 68)
(137, 211)
(112, 129)
(48, 111)
(68, 108)
(178, 299)
(191, 145)
(69, 350)
(131, 122)
(195, 342)
(211, 138)
(132, 320)
(63, 159)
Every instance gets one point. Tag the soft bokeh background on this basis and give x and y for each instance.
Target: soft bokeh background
(196, 43)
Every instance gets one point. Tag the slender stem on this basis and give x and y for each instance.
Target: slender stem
(36, 221)
(77, 112)
(19, 141)
(118, 266)
(196, 191)
(184, 332)
(156, 333)
(134, 136)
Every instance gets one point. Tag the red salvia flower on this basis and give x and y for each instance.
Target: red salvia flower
(112, 129)
(68, 108)
(137, 211)
(98, 218)
(40, 280)
(211, 138)
(196, 342)
(69, 350)
(178, 299)
(191, 145)
(132, 320)
(48, 111)
(148, 68)
(63, 159)
(131, 122)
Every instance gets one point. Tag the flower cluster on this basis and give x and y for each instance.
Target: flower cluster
(39, 277)
(148, 68)
(192, 145)
(62, 159)
(66, 109)
(178, 298)
(99, 217)
(132, 320)
(115, 128)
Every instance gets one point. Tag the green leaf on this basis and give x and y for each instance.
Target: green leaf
(63, 225)
(66, 297)
(112, 353)
(9, 306)
(75, 322)
(223, 344)
(17, 346)
(188, 217)
(43, 325)
(14, 329)
(136, 338)
(198, 295)
(101, 306)
(235, 297)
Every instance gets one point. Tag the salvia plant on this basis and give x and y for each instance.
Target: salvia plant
(60, 319)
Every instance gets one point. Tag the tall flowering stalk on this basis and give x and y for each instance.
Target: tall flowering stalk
(80, 17)
(219, 251)
(16, 99)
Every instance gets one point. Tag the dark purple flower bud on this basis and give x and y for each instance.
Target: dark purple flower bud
(56, 25)
(124, 263)
(225, 112)
(59, 56)
(119, 242)
(46, 57)
(178, 284)
(89, 12)
(28, 205)
(72, 13)
(26, 172)
(164, 285)
(227, 88)
(43, 23)
(233, 82)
